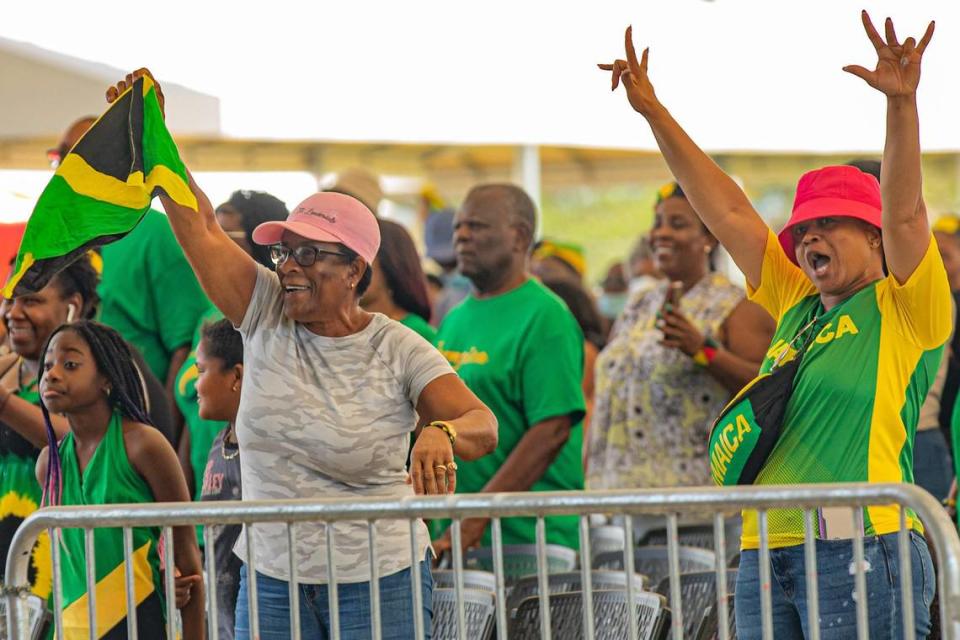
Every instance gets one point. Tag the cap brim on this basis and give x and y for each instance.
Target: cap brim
(272, 232)
(826, 208)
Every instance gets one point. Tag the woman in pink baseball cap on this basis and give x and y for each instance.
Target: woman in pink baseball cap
(335, 394)
(863, 309)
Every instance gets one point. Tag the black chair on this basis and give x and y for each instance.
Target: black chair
(479, 609)
(472, 579)
(610, 617)
(521, 560)
(569, 582)
(697, 535)
(710, 627)
(698, 595)
(654, 562)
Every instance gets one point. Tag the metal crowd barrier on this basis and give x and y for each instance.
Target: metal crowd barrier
(626, 504)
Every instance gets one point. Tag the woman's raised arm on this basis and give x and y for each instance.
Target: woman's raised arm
(906, 232)
(226, 273)
(716, 198)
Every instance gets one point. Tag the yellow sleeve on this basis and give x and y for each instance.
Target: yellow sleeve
(782, 283)
(921, 309)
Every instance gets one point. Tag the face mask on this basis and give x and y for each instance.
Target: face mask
(611, 304)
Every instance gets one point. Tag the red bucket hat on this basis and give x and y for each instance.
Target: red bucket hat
(842, 191)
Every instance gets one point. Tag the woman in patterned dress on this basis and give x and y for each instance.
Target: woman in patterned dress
(670, 366)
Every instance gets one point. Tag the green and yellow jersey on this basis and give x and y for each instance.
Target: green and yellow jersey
(853, 413)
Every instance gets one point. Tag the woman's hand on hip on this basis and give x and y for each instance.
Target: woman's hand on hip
(432, 468)
(898, 65)
(632, 74)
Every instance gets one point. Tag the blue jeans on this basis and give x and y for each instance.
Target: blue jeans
(396, 607)
(838, 606)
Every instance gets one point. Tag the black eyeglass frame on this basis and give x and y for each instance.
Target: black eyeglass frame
(279, 253)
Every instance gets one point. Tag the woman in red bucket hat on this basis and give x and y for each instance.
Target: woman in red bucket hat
(863, 309)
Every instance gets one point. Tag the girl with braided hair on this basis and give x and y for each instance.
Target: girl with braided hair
(29, 320)
(110, 455)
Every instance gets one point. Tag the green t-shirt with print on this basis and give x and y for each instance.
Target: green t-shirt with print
(421, 326)
(521, 353)
(149, 292)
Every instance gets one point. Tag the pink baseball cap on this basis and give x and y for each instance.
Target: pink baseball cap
(842, 191)
(328, 217)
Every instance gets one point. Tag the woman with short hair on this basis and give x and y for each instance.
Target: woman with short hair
(335, 394)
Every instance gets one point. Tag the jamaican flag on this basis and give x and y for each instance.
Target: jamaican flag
(102, 188)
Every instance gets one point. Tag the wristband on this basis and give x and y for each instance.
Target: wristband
(705, 355)
(446, 427)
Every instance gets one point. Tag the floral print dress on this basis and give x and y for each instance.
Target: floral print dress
(654, 406)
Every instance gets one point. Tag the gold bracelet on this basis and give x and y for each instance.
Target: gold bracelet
(447, 428)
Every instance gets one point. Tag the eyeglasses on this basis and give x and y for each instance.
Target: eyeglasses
(304, 255)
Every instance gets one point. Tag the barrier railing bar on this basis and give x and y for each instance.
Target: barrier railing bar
(499, 579)
(130, 578)
(586, 576)
(213, 611)
(168, 586)
(906, 577)
(546, 633)
(673, 558)
(623, 502)
(55, 535)
(720, 544)
(416, 584)
(91, 567)
(294, 585)
(374, 580)
(333, 599)
(766, 607)
(629, 569)
(860, 577)
(252, 586)
(810, 568)
(457, 544)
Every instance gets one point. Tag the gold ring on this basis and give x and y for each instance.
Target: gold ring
(440, 467)
(452, 466)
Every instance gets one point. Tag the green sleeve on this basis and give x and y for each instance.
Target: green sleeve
(179, 301)
(551, 361)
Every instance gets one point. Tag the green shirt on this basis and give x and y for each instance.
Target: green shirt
(108, 478)
(521, 353)
(202, 432)
(20, 492)
(149, 293)
(853, 412)
(421, 326)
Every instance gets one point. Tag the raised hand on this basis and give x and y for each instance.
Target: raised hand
(633, 75)
(115, 91)
(898, 65)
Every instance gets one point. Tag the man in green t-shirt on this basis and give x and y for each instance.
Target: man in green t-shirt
(518, 347)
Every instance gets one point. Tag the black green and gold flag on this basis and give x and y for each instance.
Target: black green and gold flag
(102, 188)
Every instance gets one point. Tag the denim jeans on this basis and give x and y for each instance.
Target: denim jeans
(837, 599)
(396, 608)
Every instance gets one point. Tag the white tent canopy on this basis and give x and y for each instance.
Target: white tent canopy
(739, 74)
(42, 92)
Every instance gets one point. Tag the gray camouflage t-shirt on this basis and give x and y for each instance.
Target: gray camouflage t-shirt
(328, 417)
